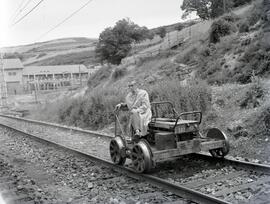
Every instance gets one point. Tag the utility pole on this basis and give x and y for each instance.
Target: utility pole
(80, 76)
(35, 85)
(3, 84)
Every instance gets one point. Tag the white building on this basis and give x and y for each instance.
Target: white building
(28, 78)
(13, 69)
(53, 77)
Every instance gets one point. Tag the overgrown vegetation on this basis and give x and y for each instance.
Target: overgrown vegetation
(222, 27)
(195, 96)
(99, 76)
(234, 56)
(161, 32)
(254, 95)
(260, 122)
(119, 73)
(95, 110)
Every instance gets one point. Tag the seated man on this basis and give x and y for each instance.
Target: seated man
(137, 102)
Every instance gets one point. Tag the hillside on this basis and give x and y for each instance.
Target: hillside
(56, 52)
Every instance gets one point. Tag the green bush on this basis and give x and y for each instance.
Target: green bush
(259, 123)
(231, 17)
(93, 111)
(254, 95)
(220, 28)
(195, 96)
(119, 73)
(255, 14)
(243, 27)
(255, 59)
(188, 55)
(102, 74)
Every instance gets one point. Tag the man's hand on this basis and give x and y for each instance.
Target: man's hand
(134, 110)
(118, 106)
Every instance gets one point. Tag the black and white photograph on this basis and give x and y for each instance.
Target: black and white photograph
(134, 102)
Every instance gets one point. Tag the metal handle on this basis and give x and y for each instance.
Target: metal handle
(189, 113)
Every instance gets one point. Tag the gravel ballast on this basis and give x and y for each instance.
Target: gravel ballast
(57, 176)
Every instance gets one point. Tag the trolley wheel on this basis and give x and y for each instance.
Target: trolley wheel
(118, 150)
(142, 157)
(217, 134)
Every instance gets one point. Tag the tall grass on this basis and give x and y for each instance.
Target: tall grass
(196, 95)
(95, 110)
(99, 76)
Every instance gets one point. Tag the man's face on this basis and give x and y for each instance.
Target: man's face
(132, 87)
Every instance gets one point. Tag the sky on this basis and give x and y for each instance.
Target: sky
(88, 22)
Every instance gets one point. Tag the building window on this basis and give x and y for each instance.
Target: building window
(12, 73)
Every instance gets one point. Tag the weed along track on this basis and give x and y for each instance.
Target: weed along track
(198, 178)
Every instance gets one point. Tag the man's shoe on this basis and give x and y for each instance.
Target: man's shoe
(138, 132)
(137, 136)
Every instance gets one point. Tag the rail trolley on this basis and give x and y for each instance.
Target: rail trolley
(170, 135)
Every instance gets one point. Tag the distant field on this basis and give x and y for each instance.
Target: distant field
(56, 52)
(84, 57)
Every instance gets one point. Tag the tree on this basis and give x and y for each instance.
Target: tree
(115, 43)
(179, 27)
(201, 7)
(161, 32)
(206, 9)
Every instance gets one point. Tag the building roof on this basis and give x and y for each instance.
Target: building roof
(56, 69)
(14, 63)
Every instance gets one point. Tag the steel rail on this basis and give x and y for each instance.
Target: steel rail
(177, 189)
(75, 129)
(242, 164)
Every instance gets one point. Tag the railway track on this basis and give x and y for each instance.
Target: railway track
(229, 181)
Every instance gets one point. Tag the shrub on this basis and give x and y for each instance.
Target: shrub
(254, 95)
(205, 52)
(243, 27)
(161, 32)
(93, 111)
(255, 14)
(188, 55)
(119, 73)
(259, 122)
(265, 41)
(102, 74)
(219, 29)
(231, 17)
(195, 96)
(255, 59)
(180, 27)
